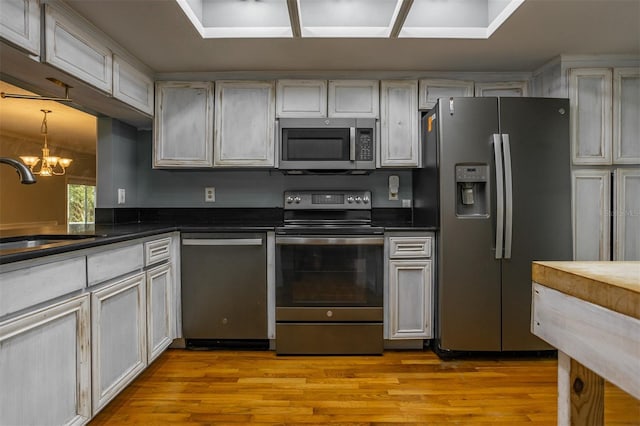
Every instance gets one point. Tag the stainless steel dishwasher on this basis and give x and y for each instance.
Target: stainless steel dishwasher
(224, 289)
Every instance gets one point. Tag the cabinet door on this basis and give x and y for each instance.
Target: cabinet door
(432, 89)
(502, 89)
(410, 299)
(354, 98)
(118, 337)
(301, 98)
(626, 214)
(132, 86)
(245, 118)
(73, 47)
(159, 302)
(183, 124)
(20, 24)
(591, 214)
(399, 128)
(590, 98)
(626, 116)
(45, 365)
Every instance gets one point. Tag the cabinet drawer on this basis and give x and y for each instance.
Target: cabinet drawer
(409, 247)
(113, 263)
(157, 250)
(32, 285)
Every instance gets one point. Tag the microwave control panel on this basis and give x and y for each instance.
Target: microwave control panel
(364, 145)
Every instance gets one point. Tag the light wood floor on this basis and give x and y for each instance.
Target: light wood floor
(410, 387)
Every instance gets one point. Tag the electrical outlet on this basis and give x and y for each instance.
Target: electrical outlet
(210, 194)
(121, 196)
(406, 203)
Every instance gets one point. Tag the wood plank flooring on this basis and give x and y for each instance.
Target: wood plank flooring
(399, 387)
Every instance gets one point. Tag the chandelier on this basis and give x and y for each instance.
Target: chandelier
(49, 165)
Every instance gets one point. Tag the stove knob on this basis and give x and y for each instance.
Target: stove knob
(297, 200)
(358, 200)
(349, 199)
(365, 199)
(289, 199)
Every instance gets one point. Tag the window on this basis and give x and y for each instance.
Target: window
(81, 203)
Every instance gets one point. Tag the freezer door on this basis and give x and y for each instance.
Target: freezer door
(537, 134)
(468, 288)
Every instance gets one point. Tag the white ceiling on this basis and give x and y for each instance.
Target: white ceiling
(159, 33)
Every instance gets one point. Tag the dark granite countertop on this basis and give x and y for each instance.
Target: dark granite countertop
(149, 222)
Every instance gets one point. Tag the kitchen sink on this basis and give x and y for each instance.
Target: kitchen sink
(41, 241)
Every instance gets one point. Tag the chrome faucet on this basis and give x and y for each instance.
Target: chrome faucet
(26, 176)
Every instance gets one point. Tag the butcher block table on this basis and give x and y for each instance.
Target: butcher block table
(589, 311)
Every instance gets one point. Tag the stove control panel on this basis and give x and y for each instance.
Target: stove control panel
(327, 200)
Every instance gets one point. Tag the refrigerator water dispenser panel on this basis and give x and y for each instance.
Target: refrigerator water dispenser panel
(472, 198)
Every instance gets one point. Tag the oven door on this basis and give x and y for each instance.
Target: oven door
(340, 273)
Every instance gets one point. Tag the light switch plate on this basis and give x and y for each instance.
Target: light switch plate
(121, 196)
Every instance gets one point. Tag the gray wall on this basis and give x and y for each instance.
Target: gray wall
(125, 158)
(116, 163)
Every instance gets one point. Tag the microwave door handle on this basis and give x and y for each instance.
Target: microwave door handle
(352, 144)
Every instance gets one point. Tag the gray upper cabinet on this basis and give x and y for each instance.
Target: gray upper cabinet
(502, 89)
(131, 85)
(399, 124)
(20, 24)
(590, 97)
(354, 98)
(73, 47)
(626, 115)
(244, 124)
(432, 89)
(183, 124)
(591, 207)
(301, 98)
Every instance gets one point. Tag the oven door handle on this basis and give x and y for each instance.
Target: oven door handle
(324, 241)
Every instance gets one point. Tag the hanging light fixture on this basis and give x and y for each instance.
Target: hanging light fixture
(49, 165)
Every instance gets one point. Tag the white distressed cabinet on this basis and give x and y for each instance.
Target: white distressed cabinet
(626, 115)
(502, 89)
(591, 214)
(131, 85)
(74, 47)
(409, 311)
(432, 89)
(183, 124)
(160, 296)
(301, 98)
(590, 102)
(399, 124)
(45, 365)
(626, 216)
(244, 133)
(354, 98)
(118, 335)
(20, 24)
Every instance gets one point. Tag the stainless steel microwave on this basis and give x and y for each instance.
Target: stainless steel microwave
(327, 143)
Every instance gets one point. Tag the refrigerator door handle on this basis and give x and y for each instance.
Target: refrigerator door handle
(497, 152)
(508, 191)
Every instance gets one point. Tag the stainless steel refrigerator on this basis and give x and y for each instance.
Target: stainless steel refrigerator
(497, 183)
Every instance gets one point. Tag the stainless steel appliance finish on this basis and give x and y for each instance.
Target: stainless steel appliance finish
(327, 144)
(502, 180)
(329, 275)
(224, 286)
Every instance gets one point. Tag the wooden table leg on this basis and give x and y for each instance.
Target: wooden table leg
(580, 394)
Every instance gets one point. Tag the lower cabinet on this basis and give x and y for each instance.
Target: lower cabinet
(45, 365)
(409, 300)
(118, 335)
(159, 309)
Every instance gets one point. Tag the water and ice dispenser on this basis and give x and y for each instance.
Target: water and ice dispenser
(472, 198)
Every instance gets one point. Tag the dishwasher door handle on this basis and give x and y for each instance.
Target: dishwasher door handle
(222, 242)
